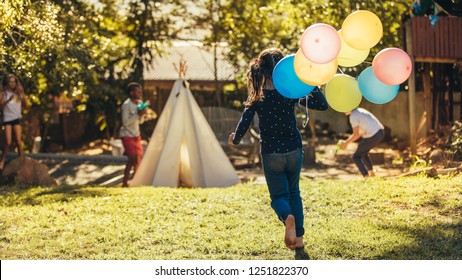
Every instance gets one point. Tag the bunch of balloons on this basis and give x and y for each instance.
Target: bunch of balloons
(323, 49)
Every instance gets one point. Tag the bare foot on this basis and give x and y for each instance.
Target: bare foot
(299, 242)
(290, 237)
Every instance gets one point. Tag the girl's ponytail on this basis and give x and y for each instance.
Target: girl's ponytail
(261, 70)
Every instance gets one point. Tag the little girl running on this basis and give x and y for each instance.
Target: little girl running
(281, 143)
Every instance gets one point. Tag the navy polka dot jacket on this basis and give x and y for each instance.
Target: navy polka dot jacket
(276, 114)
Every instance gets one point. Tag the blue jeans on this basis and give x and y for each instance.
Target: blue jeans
(282, 173)
(361, 156)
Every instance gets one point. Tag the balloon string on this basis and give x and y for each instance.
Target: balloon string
(346, 58)
(305, 122)
(340, 69)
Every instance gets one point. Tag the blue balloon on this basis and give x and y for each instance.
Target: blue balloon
(374, 90)
(286, 81)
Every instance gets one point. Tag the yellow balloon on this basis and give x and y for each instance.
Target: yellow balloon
(362, 30)
(342, 93)
(312, 73)
(348, 56)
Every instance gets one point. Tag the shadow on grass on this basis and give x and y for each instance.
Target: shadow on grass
(436, 236)
(442, 241)
(15, 195)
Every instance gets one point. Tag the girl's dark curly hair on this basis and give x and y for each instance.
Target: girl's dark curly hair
(260, 71)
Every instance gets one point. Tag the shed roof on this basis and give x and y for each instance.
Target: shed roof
(199, 60)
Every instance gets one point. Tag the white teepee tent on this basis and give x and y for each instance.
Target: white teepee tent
(183, 150)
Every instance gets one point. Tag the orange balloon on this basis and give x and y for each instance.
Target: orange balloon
(349, 56)
(312, 73)
(362, 30)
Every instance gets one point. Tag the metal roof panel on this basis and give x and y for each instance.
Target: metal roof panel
(199, 60)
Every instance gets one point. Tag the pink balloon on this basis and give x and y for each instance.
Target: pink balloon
(320, 43)
(392, 66)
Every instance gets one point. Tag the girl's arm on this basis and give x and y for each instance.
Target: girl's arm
(243, 125)
(315, 100)
(23, 99)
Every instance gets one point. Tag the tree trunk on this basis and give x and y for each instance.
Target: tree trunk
(428, 103)
(451, 92)
(215, 70)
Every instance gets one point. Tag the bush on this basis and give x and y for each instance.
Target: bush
(455, 139)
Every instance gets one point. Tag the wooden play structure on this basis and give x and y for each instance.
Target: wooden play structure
(436, 52)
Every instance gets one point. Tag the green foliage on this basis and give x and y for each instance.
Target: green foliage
(10, 12)
(89, 50)
(85, 50)
(148, 24)
(407, 218)
(250, 26)
(58, 49)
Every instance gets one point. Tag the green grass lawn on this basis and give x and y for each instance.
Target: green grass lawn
(407, 218)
